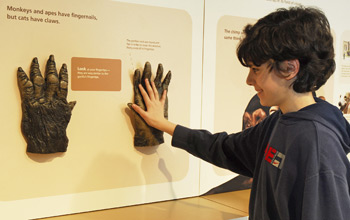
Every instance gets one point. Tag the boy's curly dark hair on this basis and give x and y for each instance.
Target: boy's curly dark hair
(295, 33)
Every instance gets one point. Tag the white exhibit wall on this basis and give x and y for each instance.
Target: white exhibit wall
(101, 168)
(225, 93)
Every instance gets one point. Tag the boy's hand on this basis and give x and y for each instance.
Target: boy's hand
(150, 110)
(45, 110)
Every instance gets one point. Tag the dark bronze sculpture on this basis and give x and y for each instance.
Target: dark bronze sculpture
(144, 134)
(45, 110)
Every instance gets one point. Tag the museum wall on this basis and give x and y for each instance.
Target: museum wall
(102, 43)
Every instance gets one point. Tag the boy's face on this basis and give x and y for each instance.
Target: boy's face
(271, 88)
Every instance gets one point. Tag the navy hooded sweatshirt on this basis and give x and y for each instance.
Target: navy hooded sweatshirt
(298, 162)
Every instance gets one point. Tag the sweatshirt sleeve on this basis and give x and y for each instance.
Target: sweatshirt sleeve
(326, 196)
(236, 152)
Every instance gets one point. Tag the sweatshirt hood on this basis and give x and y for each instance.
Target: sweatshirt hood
(328, 115)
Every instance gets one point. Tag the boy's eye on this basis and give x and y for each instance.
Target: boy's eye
(255, 70)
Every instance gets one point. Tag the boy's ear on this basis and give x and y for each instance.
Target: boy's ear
(292, 68)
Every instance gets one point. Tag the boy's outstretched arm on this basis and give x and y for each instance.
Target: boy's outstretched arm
(154, 116)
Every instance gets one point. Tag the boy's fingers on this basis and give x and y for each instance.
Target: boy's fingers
(155, 91)
(149, 90)
(163, 96)
(137, 109)
(147, 73)
(144, 94)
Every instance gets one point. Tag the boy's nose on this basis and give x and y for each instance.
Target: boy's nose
(250, 78)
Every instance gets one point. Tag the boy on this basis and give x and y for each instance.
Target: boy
(296, 156)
